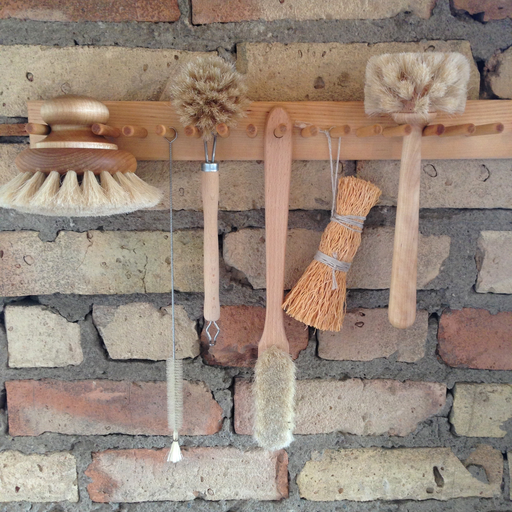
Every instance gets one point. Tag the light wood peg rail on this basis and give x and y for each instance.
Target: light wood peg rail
(483, 130)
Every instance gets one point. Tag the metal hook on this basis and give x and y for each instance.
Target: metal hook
(214, 148)
(211, 342)
(170, 141)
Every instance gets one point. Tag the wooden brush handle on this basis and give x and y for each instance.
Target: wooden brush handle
(278, 167)
(402, 293)
(210, 191)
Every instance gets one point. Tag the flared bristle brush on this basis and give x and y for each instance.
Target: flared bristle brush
(207, 94)
(73, 172)
(412, 87)
(174, 366)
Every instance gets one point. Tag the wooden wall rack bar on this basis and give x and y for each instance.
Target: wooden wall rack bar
(241, 145)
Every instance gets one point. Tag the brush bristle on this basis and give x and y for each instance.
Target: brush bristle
(43, 194)
(274, 395)
(175, 394)
(209, 91)
(420, 83)
(313, 300)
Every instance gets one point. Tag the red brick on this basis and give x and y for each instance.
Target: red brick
(473, 338)
(99, 407)
(92, 10)
(241, 328)
(354, 406)
(213, 474)
(490, 9)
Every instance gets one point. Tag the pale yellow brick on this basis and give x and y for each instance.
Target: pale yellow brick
(494, 261)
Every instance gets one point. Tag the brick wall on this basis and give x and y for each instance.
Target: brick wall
(386, 419)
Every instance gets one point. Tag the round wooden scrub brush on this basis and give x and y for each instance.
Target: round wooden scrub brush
(318, 298)
(209, 92)
(411, 87)
(74, 173)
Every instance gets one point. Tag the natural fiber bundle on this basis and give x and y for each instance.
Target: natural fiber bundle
(318, 298)
(416, 82)
(209, 92)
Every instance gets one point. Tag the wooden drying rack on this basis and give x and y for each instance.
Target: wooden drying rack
(484, 130)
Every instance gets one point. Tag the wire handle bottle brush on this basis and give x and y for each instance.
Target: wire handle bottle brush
(274, 384)
(209, 92)
(412, 87)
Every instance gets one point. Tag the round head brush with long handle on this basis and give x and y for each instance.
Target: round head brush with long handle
(274, 383)
(411, 87)
(209, 92)
(74, 173)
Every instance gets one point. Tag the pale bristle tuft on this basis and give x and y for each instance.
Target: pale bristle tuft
(174, 454)
(175, 394)
(141, 193)
(117, 196)
(69, 200)
(420, 83)
(94, 196)
(274, 396)
(22, 199)
(11, 188)
(209, 91)
(42, 202)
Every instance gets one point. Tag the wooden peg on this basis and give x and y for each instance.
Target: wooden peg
(105, 130)
(488, 129)
(458, 129)
(37, 129)
(280, 131)
(192, 131)
(135, 131)
(222, 130)
(13, 130)
(340, 131)
(165, 131)
(369, 131)
(433, 129)
(401, 130)
(251, 131)
(309, 131)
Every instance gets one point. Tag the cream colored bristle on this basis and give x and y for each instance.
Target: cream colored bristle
(11, 188)
(141, 193)
(94, 196)
(22, 199)
(274, 396)
(42, 201)
(416, 82)
(117, 196)
(69, 200)
(209, 91)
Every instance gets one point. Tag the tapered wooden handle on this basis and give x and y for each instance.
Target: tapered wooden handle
(278, 168)
(402, 294)
(210, 191)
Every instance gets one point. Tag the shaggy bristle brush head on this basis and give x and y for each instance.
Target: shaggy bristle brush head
(419, 83)
(208, 92)
(274, 394)
(73, 172)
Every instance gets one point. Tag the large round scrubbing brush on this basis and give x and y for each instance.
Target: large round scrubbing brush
(318, 298)
(209, 92)
(412, 87)
(73, 172)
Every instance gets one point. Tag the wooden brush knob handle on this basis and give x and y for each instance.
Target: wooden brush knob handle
(402, 293)
(210, 191)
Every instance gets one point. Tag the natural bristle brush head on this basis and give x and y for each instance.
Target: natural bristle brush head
(419, 83)
(208, 92)
(73, 172)
(274, 393)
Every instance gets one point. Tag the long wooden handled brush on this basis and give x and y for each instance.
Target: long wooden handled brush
(319, 297)
(73, 172)
(274, 385)
(209, 92)
(412, 87)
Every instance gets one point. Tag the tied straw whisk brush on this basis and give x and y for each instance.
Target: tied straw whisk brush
(210, 94)
(174, 366)
(319, 297)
